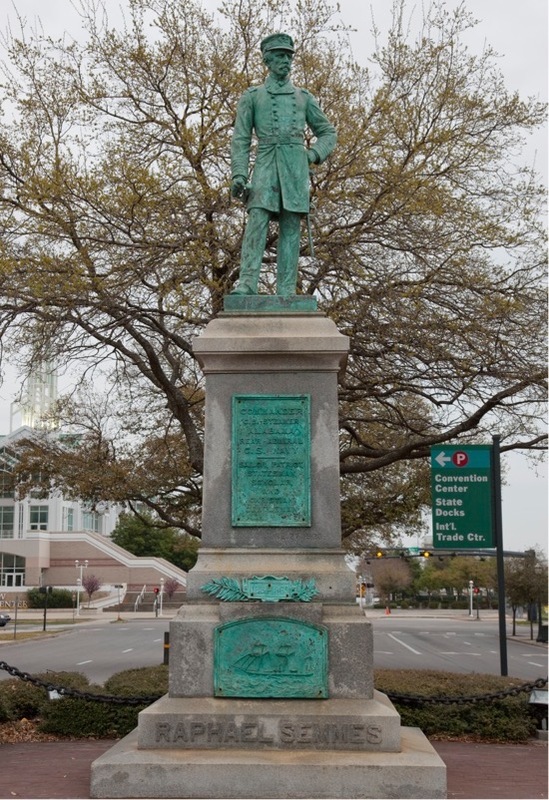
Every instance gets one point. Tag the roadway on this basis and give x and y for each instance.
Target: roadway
(401, 641)
(455, 645)
(97, 650)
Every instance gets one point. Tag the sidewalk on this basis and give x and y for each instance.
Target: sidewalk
(498, 771)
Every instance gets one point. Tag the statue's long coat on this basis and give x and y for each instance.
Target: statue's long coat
(279, 114)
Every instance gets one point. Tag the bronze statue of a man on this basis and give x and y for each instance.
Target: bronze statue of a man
(278, 114)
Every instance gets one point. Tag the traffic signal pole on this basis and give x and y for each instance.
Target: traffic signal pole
(498, 535)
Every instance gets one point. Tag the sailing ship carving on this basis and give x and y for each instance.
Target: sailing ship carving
(283, 662)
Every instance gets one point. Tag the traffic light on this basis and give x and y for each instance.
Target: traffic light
(379, 553)
(426, 554)
(476, 590)
(156, 589)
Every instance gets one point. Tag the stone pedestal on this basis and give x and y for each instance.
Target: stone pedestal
(271, 661)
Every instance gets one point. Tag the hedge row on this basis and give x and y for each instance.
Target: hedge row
(56, 598)
(75, 717)
(507, 719)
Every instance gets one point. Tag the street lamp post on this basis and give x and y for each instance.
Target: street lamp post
(80, 566)
(161, 593)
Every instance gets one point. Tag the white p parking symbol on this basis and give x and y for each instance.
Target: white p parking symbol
(460, 459)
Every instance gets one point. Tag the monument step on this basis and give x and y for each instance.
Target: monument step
(417, 771)
(209, 723)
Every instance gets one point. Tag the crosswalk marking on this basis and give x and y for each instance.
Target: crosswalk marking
(390, 635)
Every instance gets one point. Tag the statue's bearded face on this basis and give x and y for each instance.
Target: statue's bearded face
(279, 63)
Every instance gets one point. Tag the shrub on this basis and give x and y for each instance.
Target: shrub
(81, 718)
(507, 719)
(78, 717)
(57, 598)
(136, 682)
(72, 680)
(4, 711)
(22, 699)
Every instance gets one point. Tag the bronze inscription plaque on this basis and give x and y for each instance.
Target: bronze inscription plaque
(271, 456)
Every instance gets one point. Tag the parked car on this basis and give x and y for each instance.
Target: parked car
(4, 619)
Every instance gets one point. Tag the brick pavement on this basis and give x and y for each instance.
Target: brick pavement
(62, 769)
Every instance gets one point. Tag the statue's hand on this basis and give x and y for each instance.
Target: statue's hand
(238, 185)
(312, 157)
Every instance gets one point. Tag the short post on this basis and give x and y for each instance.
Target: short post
(81, 567)
(161, 594)
(118, 586)
(471, 598)
(45, 590)
(166, 647)
(15, 620)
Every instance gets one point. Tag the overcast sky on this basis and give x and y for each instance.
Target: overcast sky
(518, 32)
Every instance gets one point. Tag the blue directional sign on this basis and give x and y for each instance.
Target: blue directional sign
(461, 483)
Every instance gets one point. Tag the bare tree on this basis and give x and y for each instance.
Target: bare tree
(119, 241)
(91, 584)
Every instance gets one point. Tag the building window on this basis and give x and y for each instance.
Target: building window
(91, 521)
(6, 522)
(12, 570)
(68, 519)
(39, 518)
(7, 484)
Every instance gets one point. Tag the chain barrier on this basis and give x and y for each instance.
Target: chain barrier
(417, 700)
(65, 691)
(403, 699)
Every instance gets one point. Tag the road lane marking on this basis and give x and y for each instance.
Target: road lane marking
(534, 664)
(390, 635)
(469, 643)
(128, 650)
(157, 640)
(81, 663)
(456, 653)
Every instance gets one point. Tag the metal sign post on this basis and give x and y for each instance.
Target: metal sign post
(466, 491)
(498, 533)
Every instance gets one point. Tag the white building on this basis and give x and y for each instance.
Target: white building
(42, 538)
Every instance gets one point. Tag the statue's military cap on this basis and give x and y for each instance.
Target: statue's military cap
(277, 41)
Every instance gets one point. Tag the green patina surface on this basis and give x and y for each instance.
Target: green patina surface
(268, 304)
(271, 657)
(268, 589)
(271, 461)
